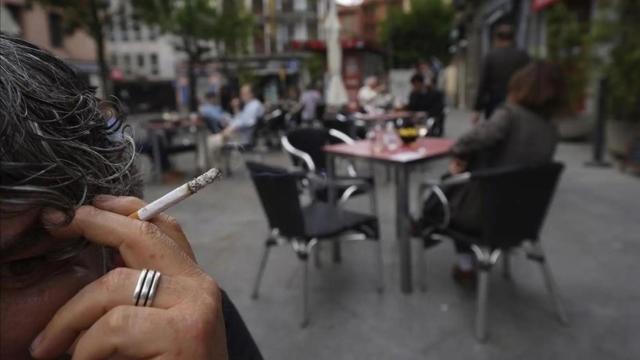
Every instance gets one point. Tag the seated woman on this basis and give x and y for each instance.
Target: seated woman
(519, 133)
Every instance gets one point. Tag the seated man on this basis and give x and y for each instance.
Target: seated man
(70, 256)
(212, 113)
(424, 98)
(245, 117)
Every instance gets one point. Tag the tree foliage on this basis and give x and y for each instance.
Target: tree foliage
(420, 33)
(617, 28)
(90, 16)
(198, 25)
(568, 46)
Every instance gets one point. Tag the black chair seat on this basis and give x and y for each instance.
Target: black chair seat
(322, 220)
(322, 194)
(454, 233)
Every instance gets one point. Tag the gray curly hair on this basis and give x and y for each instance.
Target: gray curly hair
(60, 146)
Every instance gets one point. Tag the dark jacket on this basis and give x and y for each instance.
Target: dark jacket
(430, 101)
(240, 343)
(513, 136)
(497, 68)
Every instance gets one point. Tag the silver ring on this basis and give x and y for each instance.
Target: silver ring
(145, 289)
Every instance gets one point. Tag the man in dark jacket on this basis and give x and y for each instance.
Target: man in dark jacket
(497, 68)
(425, 98)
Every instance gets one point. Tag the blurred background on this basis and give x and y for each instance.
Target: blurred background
(165, 61)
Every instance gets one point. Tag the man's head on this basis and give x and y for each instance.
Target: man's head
(417, 81)
(371, 82)
(211, 97)
(246, 93)
(503, 35)
(60, 147)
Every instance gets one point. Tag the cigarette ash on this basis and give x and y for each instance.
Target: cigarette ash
(203, 180)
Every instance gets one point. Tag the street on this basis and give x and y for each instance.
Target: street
(591, 237)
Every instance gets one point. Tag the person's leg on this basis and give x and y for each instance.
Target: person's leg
(464, 256)
(215, 143)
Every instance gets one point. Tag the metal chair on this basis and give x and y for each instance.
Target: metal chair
(242, 148)
(304, 227)
(514, 204)
(305, 146)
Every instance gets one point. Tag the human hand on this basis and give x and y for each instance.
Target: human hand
(457, 166)
(101, 321)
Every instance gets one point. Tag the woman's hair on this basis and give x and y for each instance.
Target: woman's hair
(60, 145)
(539, 87)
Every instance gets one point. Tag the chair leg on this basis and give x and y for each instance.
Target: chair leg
(422, 268)
(380, 266)
(486, 259)
(337, 253)
(506, 265)
(317, 260)
(305, 293)
(263, 264)
(227, 163)
(373, 201)
(483, 298)
(538, 256)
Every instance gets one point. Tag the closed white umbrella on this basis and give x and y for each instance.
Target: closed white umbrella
(336, 93)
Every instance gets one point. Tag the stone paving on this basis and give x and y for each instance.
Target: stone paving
(592, 237)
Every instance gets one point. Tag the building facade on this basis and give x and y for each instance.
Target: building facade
(44, 27)
(363, 21)
(278, 23)
(136, 50)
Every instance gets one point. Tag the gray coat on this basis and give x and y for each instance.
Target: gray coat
(513, 136)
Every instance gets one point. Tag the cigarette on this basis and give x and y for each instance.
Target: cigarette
(176, 195)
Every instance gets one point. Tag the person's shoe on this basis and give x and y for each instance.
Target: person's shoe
(465, 278)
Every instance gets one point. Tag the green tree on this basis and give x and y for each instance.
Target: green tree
(197, 25)
(616, 31)
(568, 46)
(90, 16)
(419, 33)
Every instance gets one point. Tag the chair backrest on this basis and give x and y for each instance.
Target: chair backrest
(311, 141)
(515, 202)
(342, 124)
(278, 193)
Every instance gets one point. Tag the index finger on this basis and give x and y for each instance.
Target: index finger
(141, 243)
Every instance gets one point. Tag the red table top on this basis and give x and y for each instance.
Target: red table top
(421, 150)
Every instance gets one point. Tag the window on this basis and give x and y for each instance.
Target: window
(312, 5)
(55, 30)
(312, 30)
(141, 60)
(126, 60)
(258, 39)
(152, 33)
(257, 7)
(114, 60)
(291, 31)
(153, 59)
(137, 35)
(287, 5)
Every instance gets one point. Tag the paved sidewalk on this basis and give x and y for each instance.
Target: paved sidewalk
(592, 237)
